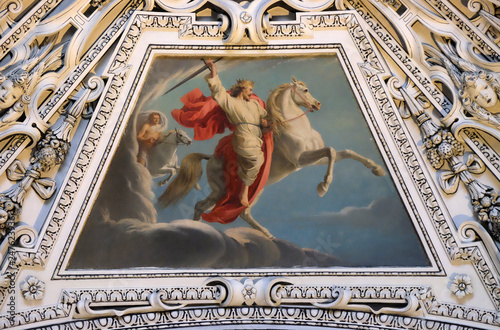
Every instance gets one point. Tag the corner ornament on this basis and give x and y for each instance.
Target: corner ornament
(49, 152)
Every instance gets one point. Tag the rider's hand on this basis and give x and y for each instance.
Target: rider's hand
(211, 65)
(264, 123)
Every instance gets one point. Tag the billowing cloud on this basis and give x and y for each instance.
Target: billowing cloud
(186, 244)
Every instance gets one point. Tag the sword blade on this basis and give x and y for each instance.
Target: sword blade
(191, 76)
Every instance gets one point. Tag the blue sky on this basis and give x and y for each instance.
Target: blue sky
(291, 209)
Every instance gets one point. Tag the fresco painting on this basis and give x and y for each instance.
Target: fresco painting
(300, 216)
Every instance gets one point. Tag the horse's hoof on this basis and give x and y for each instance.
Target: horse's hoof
(268, 234)
(378, 171)
(322, 189)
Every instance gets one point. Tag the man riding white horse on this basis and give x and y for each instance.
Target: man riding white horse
(244, 113)
(247, 116)
(296, 145)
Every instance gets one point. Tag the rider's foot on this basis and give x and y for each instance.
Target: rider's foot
(244, 202)
(244, 197)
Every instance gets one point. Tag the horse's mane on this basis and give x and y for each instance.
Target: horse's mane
(167, 134)
(275, 114)
(170, 132)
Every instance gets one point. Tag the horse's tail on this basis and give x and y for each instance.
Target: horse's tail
(187, 177)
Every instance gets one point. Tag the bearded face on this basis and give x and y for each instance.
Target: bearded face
(247, 92)
(243, 88)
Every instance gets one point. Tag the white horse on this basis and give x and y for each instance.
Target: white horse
(296, 145)
(163, 161)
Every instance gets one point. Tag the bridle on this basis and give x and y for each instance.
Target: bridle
(178, 139)
(309, 106)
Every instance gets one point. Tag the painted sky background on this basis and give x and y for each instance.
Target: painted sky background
(361, 218)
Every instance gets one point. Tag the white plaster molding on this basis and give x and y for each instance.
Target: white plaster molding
(408, 298)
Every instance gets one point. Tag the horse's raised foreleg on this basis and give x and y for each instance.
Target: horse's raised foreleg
(313, 157)
(170, 172)
(247, 216)
(346, 153)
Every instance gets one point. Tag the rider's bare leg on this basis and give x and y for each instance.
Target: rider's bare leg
(170, 172)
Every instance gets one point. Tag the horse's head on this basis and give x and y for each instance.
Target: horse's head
(301, 95)
(182, 137)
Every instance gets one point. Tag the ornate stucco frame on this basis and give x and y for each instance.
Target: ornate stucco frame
(307, 296)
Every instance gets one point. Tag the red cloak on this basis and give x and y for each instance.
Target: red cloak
(206, 117)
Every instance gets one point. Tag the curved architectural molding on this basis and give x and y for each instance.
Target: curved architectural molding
(415, 68)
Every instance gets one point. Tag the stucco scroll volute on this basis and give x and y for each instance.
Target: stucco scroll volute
(246, 20)
(7, 10)
(133, 297)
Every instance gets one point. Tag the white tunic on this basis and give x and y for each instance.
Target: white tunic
(246, 117)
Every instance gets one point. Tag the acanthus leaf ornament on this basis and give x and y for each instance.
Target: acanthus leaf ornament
(466, 27)
(18, 81)
(23, 27)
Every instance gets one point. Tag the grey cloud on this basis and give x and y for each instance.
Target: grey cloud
(186, 244)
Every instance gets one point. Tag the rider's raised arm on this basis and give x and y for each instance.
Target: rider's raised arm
(219, 94)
